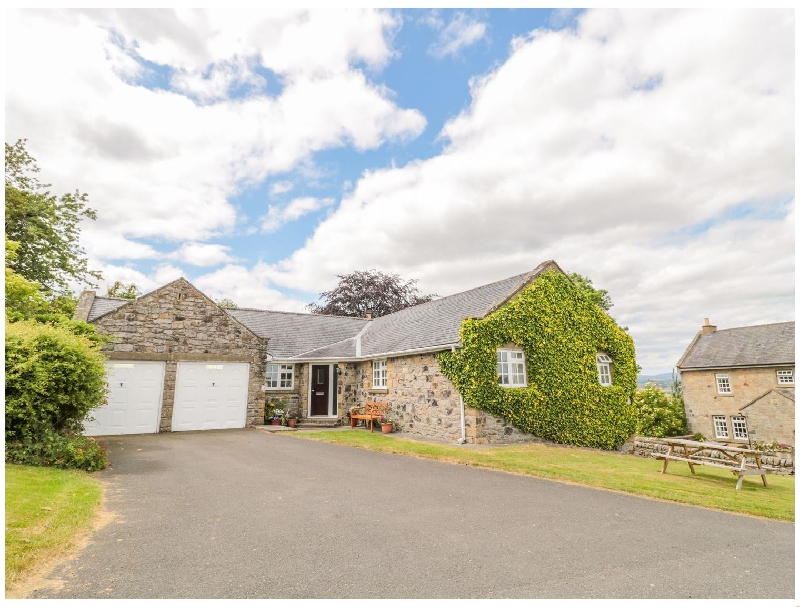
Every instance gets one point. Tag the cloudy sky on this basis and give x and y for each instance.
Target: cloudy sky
(260, 154)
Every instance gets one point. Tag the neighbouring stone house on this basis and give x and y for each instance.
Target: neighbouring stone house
(738, 383)
(179, 362)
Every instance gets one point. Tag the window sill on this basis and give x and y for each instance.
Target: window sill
(279, 389)
(513, 385)
(378, 390)
(725, 395)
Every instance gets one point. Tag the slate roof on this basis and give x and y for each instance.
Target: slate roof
(104, 305)
(437, 323)
(429, 326)
(757, 345)
(291, 334)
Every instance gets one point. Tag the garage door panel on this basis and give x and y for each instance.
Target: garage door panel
(133, 402)
(210, 396)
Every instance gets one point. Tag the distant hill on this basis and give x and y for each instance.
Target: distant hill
(662, 380)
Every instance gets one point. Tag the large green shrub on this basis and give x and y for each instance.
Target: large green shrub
(658, 414)
(54, 377)
(561, 332)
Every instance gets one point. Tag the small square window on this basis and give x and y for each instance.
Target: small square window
(720, 426)
(739, 423)
(511, 368)
(379, 374)
(604, 369)
(723, 383)
(786, 377)
(280, 376)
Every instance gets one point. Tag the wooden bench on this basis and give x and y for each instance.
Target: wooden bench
(372, 412)
(730, 458)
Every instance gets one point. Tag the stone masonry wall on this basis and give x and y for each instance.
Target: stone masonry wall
(779, 459)
(178, 323)
(771, 419)
(423, 401)
(703, 401)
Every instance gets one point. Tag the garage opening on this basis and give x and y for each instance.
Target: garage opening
(210, 396)
(134, 400)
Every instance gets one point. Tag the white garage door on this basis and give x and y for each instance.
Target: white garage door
(210, 396)
(134, 400)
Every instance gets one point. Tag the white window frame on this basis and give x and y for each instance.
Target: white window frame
(281, 375)
(785, 377)
(739, 425)
(511, 371)
(723, 383)
(379, 374)
(720, 426)
(604, 369)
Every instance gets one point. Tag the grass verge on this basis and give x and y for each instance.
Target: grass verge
(47, 509)
(709, 488)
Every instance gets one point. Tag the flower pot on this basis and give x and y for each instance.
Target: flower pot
(275, 422)
(387, 428)
(292, 423)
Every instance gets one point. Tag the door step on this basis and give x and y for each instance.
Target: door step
(311, 423)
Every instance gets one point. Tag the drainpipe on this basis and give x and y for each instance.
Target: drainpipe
(463, 438)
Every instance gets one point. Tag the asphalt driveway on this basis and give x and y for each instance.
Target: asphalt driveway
(247, 514)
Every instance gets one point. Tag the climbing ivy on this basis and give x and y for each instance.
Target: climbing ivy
(560, 330)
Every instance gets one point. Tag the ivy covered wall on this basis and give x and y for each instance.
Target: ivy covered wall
(561, 332)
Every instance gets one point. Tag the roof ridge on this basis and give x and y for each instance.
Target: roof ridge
(767, 324)
(304, 314)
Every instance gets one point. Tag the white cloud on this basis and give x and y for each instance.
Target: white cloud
(278, 216)
(280, 187)
(201, 254)
(461, 32)
(248, 288)
(652, 151)
(158, 165)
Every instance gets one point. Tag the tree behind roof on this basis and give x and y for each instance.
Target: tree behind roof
(363, 291)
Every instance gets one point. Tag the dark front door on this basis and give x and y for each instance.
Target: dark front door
(320, 389)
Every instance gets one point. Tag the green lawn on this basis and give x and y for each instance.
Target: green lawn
(47, 509)
(710, 487)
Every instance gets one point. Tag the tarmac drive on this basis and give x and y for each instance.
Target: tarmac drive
(248, 514)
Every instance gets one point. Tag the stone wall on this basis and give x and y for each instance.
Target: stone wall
(423, 401)
(178, 323)
(703, 401)
(291, 400)
(770, 419)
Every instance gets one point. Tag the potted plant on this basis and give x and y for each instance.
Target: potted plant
(387, 425)
(269, 413)
(293, 420)
(278, 417)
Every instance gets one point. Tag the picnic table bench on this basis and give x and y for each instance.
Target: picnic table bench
(370, 412)
(730, 458)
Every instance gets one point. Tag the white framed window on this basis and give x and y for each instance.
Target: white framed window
(378, 373)
(604, 369)
(786, 377)
(720, 426)
(723, 383)
(511, 368)
(280, 376)
(739, 424)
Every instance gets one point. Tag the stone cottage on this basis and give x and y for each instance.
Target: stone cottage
(179, 362)
(738, 384)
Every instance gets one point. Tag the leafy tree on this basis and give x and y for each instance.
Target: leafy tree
(226, 303)
(124, 290)
(658, 414)
(598, 296)
(369, 291)
(47, 227)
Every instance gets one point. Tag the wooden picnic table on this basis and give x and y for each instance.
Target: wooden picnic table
(731, 458)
